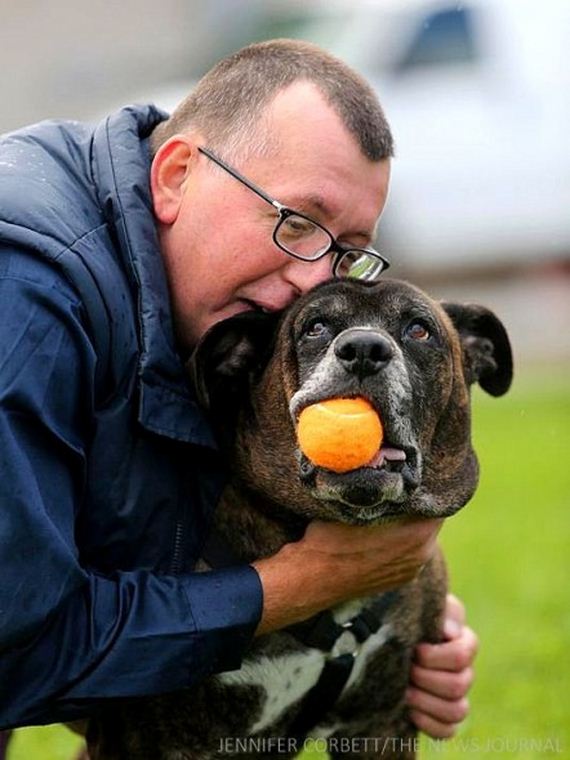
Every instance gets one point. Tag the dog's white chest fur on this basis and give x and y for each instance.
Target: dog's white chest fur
(286, 679)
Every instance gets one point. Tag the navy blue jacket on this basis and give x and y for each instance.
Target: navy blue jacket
(108, 470)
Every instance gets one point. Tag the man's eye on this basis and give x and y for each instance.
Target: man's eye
(418, 331)
(351, 256)
(296, 227)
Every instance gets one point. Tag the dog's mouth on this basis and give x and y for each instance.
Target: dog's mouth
(390, 457)
(376, 490)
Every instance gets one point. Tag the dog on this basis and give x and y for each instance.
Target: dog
(343, 674)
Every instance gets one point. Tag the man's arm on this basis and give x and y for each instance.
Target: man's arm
(335, 562)
(69, 636)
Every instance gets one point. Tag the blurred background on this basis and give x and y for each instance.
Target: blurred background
(477, 93)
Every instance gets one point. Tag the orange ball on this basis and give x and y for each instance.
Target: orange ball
(340, 434)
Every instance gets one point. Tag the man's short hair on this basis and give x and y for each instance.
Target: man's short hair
(227, 105)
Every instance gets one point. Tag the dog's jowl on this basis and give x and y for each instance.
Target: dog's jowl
(343, 674)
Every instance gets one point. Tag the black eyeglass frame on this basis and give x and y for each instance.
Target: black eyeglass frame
(285, 212)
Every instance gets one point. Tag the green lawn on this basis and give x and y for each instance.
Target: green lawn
(508, 559)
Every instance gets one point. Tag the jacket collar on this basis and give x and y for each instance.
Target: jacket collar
(121, 166)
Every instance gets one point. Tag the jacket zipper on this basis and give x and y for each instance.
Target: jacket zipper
(176, 563)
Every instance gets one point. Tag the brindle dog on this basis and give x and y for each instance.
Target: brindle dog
(414, 360)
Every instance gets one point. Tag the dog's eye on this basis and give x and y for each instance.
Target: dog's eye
(417, 330)
(315, 329)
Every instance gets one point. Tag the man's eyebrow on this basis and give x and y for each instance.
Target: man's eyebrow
(309, 203)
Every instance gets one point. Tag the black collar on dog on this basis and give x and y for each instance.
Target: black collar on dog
(341, 642)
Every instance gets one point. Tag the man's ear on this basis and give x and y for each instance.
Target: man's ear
(487, 354)
(229, 356)
(169, 170)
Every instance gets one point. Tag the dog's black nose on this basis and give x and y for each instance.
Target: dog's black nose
(363, 352)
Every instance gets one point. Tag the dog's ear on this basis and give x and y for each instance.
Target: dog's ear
(486, 347)
(229, 355)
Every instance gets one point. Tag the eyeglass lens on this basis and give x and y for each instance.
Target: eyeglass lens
(358, 265)
(306, 239)
(302, 237)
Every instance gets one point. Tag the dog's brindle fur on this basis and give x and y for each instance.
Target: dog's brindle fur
(414, 360)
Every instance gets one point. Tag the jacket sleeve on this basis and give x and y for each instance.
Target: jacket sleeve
(68, 636)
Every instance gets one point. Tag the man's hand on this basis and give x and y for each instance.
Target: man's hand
(335, 562)
(442, 675)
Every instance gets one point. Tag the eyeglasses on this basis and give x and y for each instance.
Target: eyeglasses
(303, 238)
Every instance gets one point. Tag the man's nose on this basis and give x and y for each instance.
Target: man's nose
(363, 352)
(304, 275)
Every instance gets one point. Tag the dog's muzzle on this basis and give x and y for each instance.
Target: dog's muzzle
(363, 352)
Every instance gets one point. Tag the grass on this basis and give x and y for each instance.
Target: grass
(508, 560)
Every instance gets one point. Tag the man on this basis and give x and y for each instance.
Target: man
(113, 264)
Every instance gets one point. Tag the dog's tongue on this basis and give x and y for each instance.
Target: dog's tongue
(386, 454)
